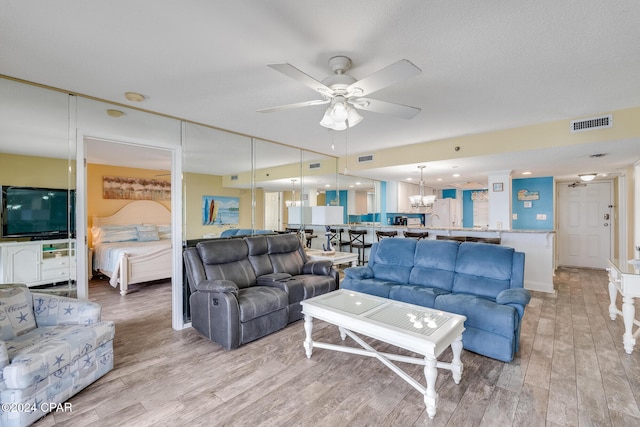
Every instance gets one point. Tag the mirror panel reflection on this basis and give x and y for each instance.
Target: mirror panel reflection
(37, 176)
(230, 182)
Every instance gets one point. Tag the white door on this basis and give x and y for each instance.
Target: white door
(272, 211)
(584, 224)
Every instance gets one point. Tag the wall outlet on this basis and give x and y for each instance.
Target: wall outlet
(514, 217)
(541, 217)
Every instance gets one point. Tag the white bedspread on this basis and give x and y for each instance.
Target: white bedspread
(106, 256)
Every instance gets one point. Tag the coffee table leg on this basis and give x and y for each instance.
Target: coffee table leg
(343, 334)
(431, 374)
(308, 342)
(456, 363)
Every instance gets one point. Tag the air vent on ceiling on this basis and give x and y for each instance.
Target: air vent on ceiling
(592, 123)
(365, 159)
(315, 165)
(234, 177)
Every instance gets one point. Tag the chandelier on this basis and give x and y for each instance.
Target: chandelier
(293, 202)
(420, 200)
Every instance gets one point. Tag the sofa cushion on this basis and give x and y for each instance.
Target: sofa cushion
(377, 287)
(46, 350)
(260, 300)
(419, 295)
(227, 260)
(434, 264)
(483, 269)
(481, 313)
(393, 259)
(16, 311)
(284, 253)
(259, 255)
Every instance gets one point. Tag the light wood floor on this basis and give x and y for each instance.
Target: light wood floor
(571, 370)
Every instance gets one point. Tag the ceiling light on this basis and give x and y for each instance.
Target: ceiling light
(526, 173)
(115, 113)
(455, 175)
(339, 112)
(134, 96)
(586, 177)
(340, 115)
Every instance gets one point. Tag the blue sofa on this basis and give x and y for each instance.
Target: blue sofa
(237, 232)
(481, 281)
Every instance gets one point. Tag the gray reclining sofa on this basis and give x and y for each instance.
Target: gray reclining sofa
(244, 289)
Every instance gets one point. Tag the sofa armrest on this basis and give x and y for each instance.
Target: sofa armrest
(514, 296)
(321, 267)
(218, 285)
(360, 272)
(52, 310)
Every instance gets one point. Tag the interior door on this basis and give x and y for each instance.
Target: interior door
(584, 225)
(272, 211)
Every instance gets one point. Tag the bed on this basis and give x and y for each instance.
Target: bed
(133, 245)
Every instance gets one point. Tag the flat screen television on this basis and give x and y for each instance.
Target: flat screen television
(39, 213)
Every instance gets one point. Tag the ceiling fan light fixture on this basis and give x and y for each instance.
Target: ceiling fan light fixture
(339, 112)
(353, 117)
(327, 121)
(339, 125)
(586, 177)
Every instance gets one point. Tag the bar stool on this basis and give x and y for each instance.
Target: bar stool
(493, 240)
(356, 240)
(456, 238)
(384, 234)
(416, 234)
(336, 238)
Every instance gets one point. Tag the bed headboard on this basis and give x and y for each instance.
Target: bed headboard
(138, 212)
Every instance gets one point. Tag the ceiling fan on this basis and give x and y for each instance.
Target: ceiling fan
(344, 93)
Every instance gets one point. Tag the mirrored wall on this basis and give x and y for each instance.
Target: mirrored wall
(219, 182)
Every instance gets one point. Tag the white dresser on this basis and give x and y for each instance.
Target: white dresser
(38, 262)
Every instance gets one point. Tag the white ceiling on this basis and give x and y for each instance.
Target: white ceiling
(486, 66)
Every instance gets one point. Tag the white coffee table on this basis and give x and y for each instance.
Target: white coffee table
(336, 258)
(418, 329)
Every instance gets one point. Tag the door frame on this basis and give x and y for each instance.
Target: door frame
(82, 282)
(613, 223)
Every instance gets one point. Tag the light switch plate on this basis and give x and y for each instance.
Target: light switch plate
(541, 217)
(514, 216)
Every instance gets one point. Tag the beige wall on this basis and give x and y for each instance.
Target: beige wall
(198, 185)
(31, 171)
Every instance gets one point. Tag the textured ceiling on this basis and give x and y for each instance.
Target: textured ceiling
(486, 65)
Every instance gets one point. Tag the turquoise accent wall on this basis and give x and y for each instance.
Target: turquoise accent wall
(467, 209)
(529, 188)
(450, 193)
(342, 201)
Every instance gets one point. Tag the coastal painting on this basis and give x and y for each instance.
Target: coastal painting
(220, 210)
(117, 187)
(528, 195)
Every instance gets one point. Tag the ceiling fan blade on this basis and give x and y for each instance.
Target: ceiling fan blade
(383, 107)
(296, 105)
(300, 76)
(389, 75)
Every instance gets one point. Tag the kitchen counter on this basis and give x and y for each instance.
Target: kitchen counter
(537, 245)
